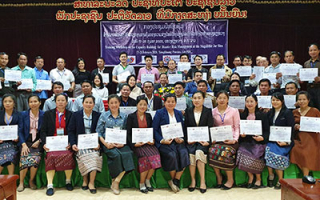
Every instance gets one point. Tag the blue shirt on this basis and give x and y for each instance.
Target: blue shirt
(41, 75)
(192, 88)
(27, 73)
(106, 120)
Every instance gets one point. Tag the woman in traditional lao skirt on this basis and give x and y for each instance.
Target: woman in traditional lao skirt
(8, 149)
(196, 116)
(55, 123)
(277, 153)
(305, 152)
(29, 141)
(148, 154)
(89, 160)
(120, 156)
(251, 150)
(173, 152)
(222, 155)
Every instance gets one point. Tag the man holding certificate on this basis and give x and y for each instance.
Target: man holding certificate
(55, 123)
(174, 154)
(120, 156)
(203, 87)
(173, 70)
(41, 74)
(252, 142)
(198, 116)
(148, 69)
(198, 67)
(143, 144)
(9, 120)
(6, 86)
(192, 86)
(84, 122)
(277, 153)
(222, 155)
(305, 152)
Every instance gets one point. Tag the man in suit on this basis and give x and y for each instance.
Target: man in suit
(203, 87)
(125, 99)
(154, 102)
(102, 70)
(163, 82)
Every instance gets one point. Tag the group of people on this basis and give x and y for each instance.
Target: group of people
(87, 114)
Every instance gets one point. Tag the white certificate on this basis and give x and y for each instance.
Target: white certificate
(57, 143)
(258, 71)
(181, 103)
(88, 141)
(204, 76)
(123, 76)
(208, 102)
(184, 66)
(152, 113)
(25, 84)
(147, 77)
(198, 134)
(66, 85)
(271, 77)
(12, 75)
(128, 109)
(218, 73)
(43, 85)
(105, 77)
(310, 124)
(289, 69)
(289, 101)
(171, 131)
(280, 133)
(264, 102)
(0, 86)
(221, 133)
(8, 132)
(173, 78)
(116, 136)
(244, 70)
(238, 102)
(251, 127)
(142, 135)
(308, 74)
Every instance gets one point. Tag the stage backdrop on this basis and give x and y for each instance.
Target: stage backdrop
(163, 40)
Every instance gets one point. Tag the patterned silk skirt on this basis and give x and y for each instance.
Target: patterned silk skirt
(59, 161)
(8, 153)
(277, 157)
(223, 156)
(33, 158)
(148, 157)
(89, 160)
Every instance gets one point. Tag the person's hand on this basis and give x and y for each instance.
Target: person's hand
(229, 142)
(258, 138)
(276, 85)
(317, 79)
(150, 143)
(1, 141)
(226, 78)
(75, 148)
(296, 104)
(204, 143)
(243, 135)
(278, 75)
(109, 145)
(70, 89)
(191, 143)
(210, 79)
(36, 144)
(25, 150)
(281, 144)
(98, 147)
(139, 144)
(167, 141)
(19, 83)
(45, 148)
(253, 76)
(265, 110)
(297, 127)
(213, 142)
(183, 112)
(16, 140)
(39, 91)
(123, 82)
(1, 79)
(119, 145)
(28, 90)
(178, 140)
(68, 147)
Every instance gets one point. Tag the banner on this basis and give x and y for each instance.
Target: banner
(163, 40)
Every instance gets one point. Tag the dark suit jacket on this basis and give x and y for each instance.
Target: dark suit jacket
(158, 85)
(24, 126)
(76, 125)
(265, 128)
(95, 72)
(157, 102)
(130, 102)
(161, 118)
(206, 119)
(132, 122)
(285, 118)
(49, 124)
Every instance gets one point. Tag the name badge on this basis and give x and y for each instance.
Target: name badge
(6, 83)
(60, 131)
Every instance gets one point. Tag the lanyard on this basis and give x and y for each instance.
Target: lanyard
(150, 103)
(149, 71)
(2, 71)
(222, 118)
(60, 118)
(8, 120)
(125, 103)
(60, 73)
(312, 64)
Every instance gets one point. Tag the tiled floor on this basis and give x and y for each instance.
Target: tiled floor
(134, 194)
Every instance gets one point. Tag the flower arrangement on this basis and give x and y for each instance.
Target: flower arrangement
(161, 92)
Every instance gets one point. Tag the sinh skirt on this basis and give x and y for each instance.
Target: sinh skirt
(277, 157)
(223, 156)
(148, 157)
(8, 153)
(33, 158)
(89, 160)
(59, 161)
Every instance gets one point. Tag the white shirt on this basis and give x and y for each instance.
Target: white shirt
(172, 119)
(62, 76)
(150, 103)
(103, 93)
(118, 69)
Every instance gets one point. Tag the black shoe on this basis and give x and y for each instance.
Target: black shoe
(176, 182)
(150, 189)
(256, 186)
(69, 187)
(145, 190)
(218, 186)
(84, 187)
(225, 187)
(203, 190)
(191, 189)
(93, 191)
(277, 186)
(50, 191)
(270, 182)
(250, 185)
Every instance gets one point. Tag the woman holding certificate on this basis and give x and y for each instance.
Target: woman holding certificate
(251, 150)
(120, 156)
(29, 141)
(305, 152)
(55, 123)
(277, 152)
(9, 120)
(89, 159)
(168, 133)
(135, 90)
(148, 155)
(222, 154)
(198, 116)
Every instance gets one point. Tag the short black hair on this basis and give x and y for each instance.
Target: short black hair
(202, 94)
(198, 71)
(265, 80)
(179, 83)
(289, 51)
(38, 57)
(148, 82)
(21, 54)
(61, 94)
(315, 44)
(86, 81)
(247, 57)
(184, 54)
(237, 56)
(304, 93)
(101, 59)
(34, 95)
(142, 98)
(114, 96)
(202, 81)
(3, 53)
(170, 95)
(57, 83)
(148, 56)
(275, 52)
(221, 55)
(123, 52)
(291, 82)
(198, 57)
(223, 92)
(89, 96)
(125, 84)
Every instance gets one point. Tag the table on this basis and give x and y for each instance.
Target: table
(8, 187)
(295, 189)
